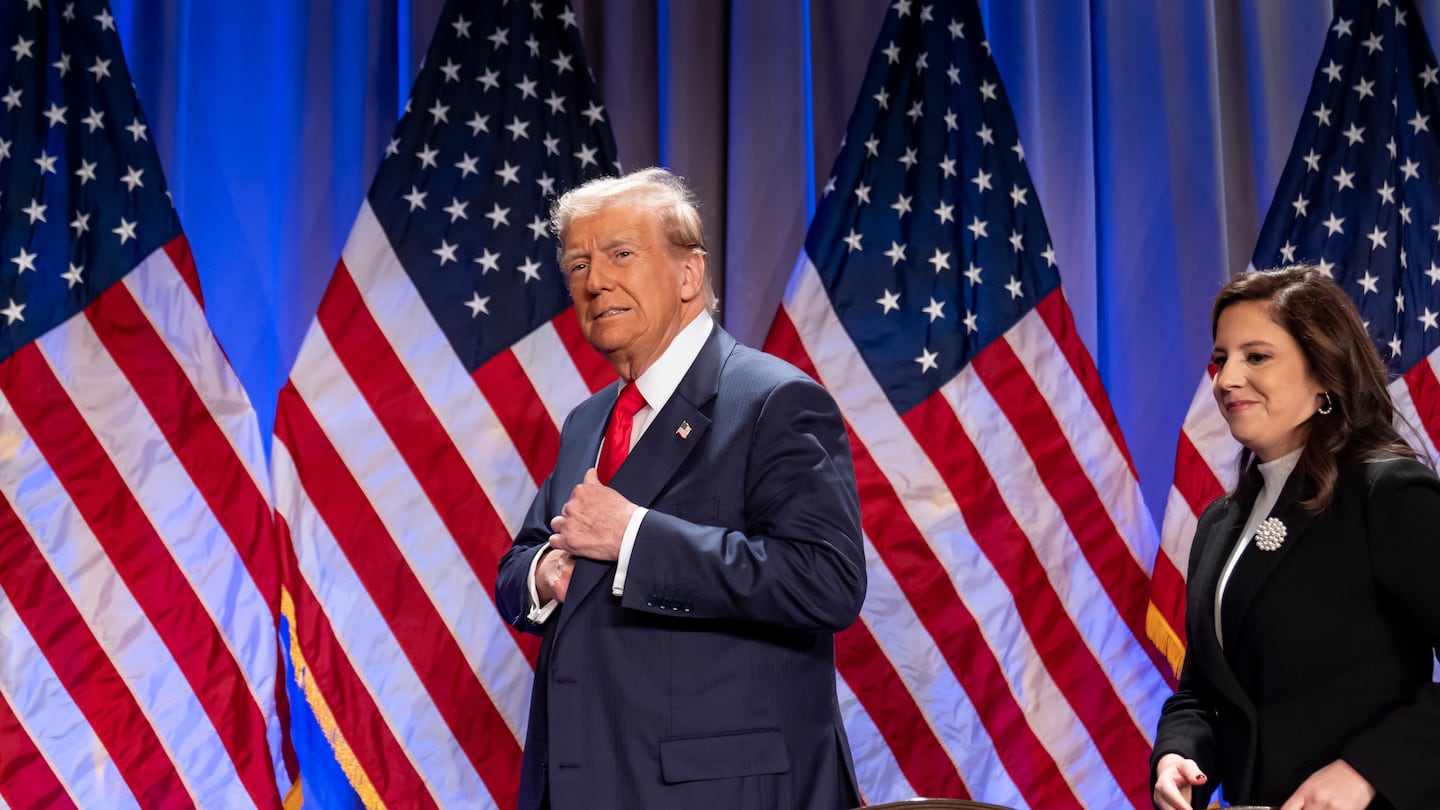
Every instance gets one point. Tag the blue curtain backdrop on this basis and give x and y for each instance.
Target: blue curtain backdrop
(1155, 133)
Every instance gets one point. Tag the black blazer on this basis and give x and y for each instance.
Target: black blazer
(1329, 643)
(710, 685)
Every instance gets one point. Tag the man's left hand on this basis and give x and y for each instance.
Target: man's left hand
(592, 523)
(1336, 786)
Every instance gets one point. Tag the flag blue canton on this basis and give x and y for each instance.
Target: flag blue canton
(930, 239)
(465, 189)
(1360, 196)
(82, 195)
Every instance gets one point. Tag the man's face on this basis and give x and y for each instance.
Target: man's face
(633, 290)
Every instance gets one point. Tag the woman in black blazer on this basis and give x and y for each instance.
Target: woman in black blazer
(1313, 599)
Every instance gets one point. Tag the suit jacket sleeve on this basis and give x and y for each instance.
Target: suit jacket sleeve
(512, 586)
(797, 562)
(1187, 728)
(1188, 718)
(1398, 754)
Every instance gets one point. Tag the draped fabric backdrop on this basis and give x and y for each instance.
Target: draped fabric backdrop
(1154, 132)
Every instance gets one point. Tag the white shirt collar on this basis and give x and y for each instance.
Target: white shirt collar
(1274, 471)
(659, 381)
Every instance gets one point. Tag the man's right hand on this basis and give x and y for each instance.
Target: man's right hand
(1174, 777)
(552, 575)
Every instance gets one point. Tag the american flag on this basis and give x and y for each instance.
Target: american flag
(1001, 652)
(425, 409)
(1360, 198)
(139, 583)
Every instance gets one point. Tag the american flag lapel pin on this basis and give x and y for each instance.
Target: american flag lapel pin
(683, 431)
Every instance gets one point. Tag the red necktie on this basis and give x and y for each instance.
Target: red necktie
(617, 434)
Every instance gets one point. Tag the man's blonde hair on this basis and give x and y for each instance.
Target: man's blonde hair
(655, 189)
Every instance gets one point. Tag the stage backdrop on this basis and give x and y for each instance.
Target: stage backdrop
(1155, 133)
(1154, 137)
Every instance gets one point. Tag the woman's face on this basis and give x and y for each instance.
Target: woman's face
(1263, 384)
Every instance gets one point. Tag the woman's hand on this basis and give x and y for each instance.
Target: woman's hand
(1174, 776)
(1336, 786)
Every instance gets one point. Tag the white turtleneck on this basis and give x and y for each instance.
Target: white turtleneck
(1275, 472)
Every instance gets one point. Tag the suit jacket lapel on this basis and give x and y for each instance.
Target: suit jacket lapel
(589, 425)
(1206, 647)
(677, 429)
(1256, 566)
(673, 434)
(1246, 581)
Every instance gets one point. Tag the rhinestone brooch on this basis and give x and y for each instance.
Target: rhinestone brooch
(1270, 534)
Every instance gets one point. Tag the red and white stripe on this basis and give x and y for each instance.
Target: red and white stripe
(1001, 651)
(401, 479)
(137, 562)
(1205, 468)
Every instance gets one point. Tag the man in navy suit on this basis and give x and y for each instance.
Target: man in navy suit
(688, 604)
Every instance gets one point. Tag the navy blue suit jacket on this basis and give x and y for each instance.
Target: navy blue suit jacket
(711, 682)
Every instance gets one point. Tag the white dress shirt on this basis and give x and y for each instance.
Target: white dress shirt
(657, 385)
(1275, 473)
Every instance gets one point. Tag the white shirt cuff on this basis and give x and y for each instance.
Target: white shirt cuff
(627, 545)
(538, 613)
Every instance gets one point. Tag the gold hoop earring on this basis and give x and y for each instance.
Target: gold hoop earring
(1329, 405)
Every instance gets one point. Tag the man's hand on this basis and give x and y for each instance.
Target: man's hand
(592, 523)
(552, 575)
(1336, 786)
(1174, 777)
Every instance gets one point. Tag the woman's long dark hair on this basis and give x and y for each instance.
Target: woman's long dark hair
(1342, 359)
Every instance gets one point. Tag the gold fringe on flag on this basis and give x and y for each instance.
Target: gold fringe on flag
(344, 754)
(1166, 640)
